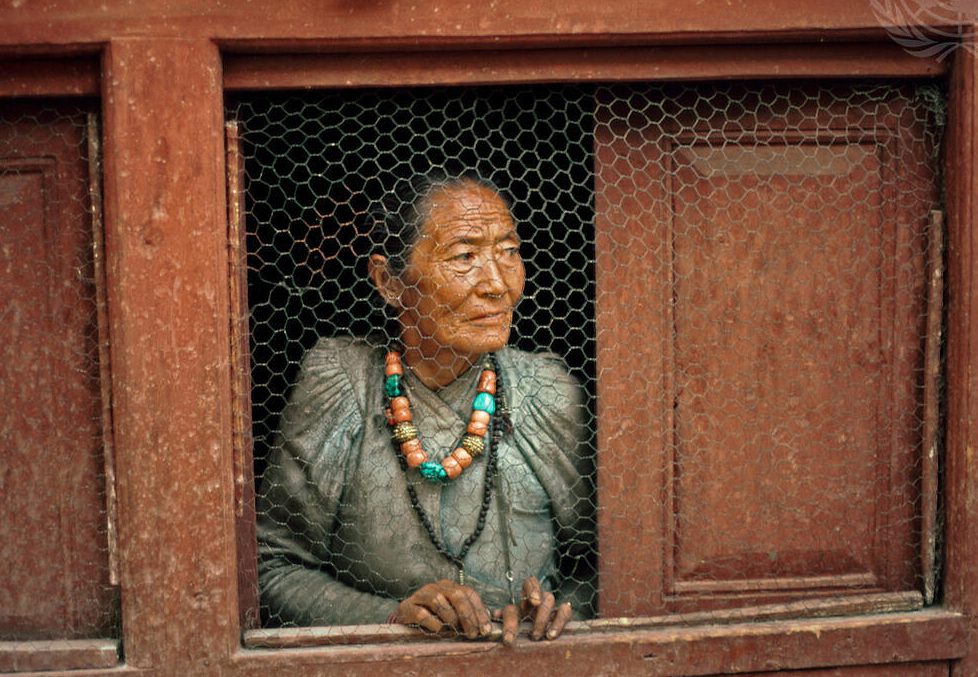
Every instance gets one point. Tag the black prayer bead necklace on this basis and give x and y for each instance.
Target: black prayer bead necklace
(499, 422)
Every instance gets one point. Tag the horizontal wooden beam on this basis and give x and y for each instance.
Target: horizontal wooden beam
(63, 654)
(928, 635)
(482, 67)
(50, 77)
(246, 24)
(876, 603)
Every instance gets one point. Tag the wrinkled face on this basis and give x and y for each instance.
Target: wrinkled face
(464, 276)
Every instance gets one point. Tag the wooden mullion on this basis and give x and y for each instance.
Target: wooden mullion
(961, 478)
(244, 480)
(932, 377)
(167, 292)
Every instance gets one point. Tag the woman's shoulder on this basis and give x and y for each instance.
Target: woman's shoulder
(540, 378)
(340, 351)
(535, 364)
(335, 375)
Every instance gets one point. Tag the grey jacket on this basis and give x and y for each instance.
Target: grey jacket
(338, 540)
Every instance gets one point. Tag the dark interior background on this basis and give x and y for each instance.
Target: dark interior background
(316, 164)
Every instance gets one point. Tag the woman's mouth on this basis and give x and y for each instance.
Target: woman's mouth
(491, 318)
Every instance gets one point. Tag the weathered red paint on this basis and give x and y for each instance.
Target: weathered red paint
(169, 306)
(52, 532)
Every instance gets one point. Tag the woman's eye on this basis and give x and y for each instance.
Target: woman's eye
(511, 252)
(464, 257)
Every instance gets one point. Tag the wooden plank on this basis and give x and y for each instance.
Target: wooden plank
(52, 528)
(680, 652)
(303, 25)
(819, 608)
(632, 268)
(65, 654)
(961, 474)
(244, 478)
(50, 77)
(254, 72)
(105, 372)
(916, 669)
(167, 292)
(930, 464)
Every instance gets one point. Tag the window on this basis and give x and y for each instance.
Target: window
(735, 273)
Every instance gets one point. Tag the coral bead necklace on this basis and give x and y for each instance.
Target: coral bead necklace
(405, 433)
(411, 455)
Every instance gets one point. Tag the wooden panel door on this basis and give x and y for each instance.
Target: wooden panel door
(53, 527)
(775, 338)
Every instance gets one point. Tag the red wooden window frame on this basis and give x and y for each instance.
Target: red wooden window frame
(258, 73)
(167, 256)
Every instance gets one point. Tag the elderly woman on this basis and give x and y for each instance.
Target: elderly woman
(436, 482)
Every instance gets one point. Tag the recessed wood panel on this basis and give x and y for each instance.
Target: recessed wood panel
(781, 357)
(769, 344)
(53, 524)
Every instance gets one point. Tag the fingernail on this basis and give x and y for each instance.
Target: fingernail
(487, 628)
(551, 633)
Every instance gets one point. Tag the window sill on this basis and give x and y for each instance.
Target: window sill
(64, 654)
(734, 646)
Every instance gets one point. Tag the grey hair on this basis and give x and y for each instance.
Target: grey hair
(398, 220)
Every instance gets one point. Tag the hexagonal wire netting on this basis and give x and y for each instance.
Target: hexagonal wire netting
(733, 276)
(55, 529)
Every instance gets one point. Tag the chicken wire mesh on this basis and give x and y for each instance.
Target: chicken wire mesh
(728, 283)
(55, 528)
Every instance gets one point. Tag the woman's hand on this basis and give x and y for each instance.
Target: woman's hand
(446, 606)
(537, 606)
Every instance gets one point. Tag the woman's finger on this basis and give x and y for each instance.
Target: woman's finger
(438, 603)
(409, 613)
(532, 596)
(511, 623)
(472, 617)
(432, 598)
(561, 616)
(482, 613)
(541, 616)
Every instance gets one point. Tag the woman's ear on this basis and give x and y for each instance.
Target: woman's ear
(387, 283)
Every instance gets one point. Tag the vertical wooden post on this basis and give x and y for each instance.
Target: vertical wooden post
(961, 555)
(167, 292)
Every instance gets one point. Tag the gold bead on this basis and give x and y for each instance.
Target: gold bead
(404, 431)
(472, 444)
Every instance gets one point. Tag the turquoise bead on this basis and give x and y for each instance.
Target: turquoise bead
(485, 402)
(393, 385)
(433, 471)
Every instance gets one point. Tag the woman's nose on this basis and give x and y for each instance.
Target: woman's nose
(491, 278)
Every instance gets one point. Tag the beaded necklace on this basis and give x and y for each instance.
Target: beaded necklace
(405, 433)
(495, 432)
